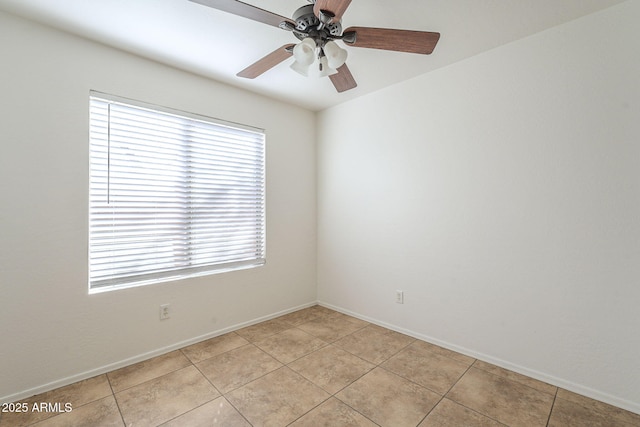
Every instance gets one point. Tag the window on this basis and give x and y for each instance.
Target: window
(172, 194)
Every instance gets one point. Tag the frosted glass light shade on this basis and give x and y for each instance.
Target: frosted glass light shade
(300, 68)
(304, 52)
(336, 56)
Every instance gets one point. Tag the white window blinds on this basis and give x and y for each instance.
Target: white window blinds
(172, 194)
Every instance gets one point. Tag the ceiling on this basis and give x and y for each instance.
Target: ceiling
(217, 45)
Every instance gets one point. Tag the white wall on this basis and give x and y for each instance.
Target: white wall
(502, 194)
(51, 331)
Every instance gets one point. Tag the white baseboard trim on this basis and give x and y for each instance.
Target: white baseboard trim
(142, 357)
(541, 376)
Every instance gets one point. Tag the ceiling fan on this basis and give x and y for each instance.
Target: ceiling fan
(318, 25)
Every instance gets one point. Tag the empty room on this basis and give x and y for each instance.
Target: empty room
(331, 212)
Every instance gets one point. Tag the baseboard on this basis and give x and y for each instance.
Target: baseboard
(541, 376)
(142, 357)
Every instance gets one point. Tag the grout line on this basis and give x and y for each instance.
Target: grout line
(515, 380)
(314, 408)
(354, 409)
(464, 406)
(113, 393)
(185, 413)
(256, 378)
(555, 397)
(208, 380)
(443, 396)
(148, 380)
(237, 410)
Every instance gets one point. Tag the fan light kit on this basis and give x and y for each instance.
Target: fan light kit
(318, 26)
(330, 57)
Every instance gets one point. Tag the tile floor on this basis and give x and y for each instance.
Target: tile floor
(317, 367)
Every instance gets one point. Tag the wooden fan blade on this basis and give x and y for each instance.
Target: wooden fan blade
(343, 80)
(337, 7)
(267, 63)
(422, 42)
(245, 10)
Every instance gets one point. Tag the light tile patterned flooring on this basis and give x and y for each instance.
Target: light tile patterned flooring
(317, 367)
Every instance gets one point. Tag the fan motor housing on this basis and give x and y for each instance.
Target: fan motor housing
(307, 23)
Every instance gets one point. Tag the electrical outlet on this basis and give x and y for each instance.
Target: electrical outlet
(164, 312)
(400, 297)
